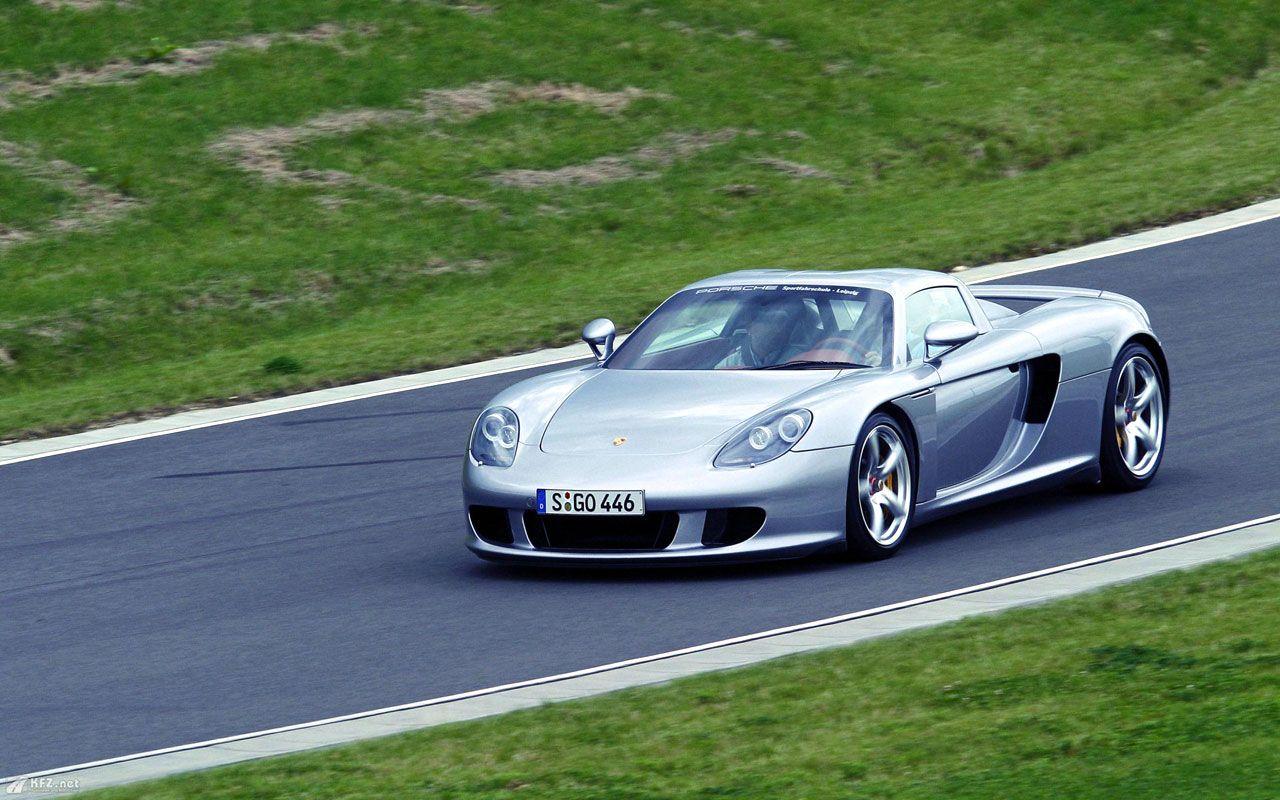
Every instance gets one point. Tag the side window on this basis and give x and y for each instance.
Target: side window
(928, 306)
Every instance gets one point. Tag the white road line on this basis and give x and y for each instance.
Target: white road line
(248, 415)
(206, 418)
(1172, 234)
(1026, 576)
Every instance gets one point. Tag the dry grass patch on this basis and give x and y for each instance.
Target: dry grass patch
(265, 151)
(741, 34)
(608, 102)
(606, 169)
(95, 206)
(10, 236)
(638, 163)
(795, 169)
(77, 5)
(474, 9)
(19, 87)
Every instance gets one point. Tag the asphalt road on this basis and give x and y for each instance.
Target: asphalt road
(301, 566)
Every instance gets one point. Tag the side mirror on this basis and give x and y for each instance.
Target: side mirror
(947, 334)
(599, 334)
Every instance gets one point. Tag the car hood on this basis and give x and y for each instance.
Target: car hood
(659, 412)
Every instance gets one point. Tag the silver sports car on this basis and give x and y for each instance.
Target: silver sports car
(775, 414)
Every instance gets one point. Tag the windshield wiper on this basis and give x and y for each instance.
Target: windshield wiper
(810, 364)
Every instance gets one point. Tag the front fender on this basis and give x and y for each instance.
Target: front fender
(536, 399)
(840, 407)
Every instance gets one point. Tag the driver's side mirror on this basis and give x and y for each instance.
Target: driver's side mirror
(599, 334)
(947, 334)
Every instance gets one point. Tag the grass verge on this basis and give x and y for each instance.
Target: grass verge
(359, 187)
(1166, 688)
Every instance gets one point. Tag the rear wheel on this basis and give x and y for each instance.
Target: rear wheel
(1133, 425)
(881, 496)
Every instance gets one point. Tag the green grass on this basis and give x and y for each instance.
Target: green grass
(24, 203)
(1167, 688)
(955, 131)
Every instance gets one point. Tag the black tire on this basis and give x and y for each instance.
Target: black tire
(860, 543)
(1117, 474)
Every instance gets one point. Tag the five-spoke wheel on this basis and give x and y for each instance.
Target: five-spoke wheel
(1133, 433)
(1139, 415)
(881, 498)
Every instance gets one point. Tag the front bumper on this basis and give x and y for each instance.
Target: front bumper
(802, 494)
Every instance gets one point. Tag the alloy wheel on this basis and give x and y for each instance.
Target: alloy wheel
(884, 484)
(1139, 416)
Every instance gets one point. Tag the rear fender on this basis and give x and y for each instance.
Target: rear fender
(1086, 331)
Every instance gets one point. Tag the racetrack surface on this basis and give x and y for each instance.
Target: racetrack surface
(311, 564)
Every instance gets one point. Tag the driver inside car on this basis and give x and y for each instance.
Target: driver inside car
(771, 336)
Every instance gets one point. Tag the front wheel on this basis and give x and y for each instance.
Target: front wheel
(881, 496)
(1133, 426)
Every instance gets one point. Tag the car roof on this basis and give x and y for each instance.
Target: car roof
(897, 281)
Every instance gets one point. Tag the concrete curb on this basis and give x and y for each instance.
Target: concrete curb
(1056, 582)
(192, 420)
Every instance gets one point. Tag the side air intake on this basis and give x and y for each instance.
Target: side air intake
(1045, 373)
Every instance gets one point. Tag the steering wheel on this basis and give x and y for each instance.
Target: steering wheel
(839, 348)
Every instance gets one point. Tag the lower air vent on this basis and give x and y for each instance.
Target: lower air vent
(652, 531)
(726, 526)
(491, 524)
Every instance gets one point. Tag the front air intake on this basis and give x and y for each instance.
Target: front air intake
(652, 531)
(491, 524)
(726, 526)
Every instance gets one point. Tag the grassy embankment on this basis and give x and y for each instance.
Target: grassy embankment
(201, 200)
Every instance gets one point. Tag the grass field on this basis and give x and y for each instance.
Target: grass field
(202, 200)
(1164, 689)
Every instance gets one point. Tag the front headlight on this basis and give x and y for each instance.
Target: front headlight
(765, 439)
(494, 439)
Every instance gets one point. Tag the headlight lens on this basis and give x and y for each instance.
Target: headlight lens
(765, 439)
(495, 437)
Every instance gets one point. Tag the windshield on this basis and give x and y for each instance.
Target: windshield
(763, 327)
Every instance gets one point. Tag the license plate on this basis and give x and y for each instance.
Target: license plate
(577, 501)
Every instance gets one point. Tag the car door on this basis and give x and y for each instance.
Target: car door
(981, 386)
